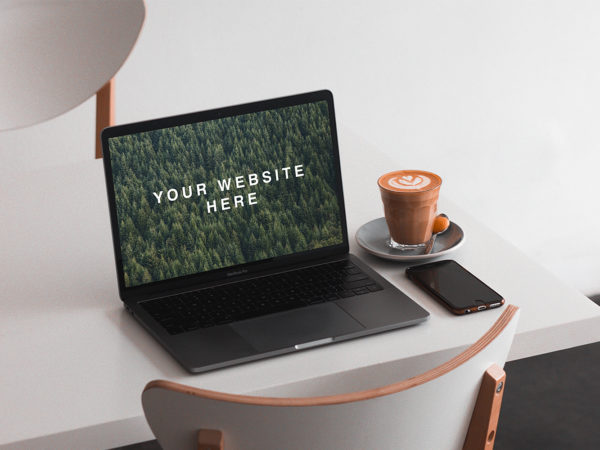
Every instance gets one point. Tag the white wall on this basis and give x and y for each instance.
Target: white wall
(499, 97)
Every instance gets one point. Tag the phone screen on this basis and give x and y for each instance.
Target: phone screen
(454, 285)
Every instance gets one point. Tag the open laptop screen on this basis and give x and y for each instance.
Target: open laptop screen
(224, 192)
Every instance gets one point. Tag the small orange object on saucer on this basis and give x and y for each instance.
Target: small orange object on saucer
(440, 224)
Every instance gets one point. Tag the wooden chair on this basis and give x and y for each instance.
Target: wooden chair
(455, 405)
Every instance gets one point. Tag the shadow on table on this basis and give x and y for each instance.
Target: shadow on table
(147, 345)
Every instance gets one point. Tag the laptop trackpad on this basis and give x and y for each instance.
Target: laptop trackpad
(299, 326)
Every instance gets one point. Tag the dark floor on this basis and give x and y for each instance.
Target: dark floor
(551, 402)
(148, 445)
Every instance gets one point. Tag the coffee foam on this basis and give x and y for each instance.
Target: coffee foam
(409, 180)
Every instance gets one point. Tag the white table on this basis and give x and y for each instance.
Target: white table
(73, 363)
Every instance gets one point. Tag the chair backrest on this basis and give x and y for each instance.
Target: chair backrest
(433, 410)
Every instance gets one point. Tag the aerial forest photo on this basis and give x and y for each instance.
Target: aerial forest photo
(207, 195)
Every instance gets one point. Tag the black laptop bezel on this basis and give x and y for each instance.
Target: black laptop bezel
(231, 273)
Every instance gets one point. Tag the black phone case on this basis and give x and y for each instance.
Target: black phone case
(412, 274)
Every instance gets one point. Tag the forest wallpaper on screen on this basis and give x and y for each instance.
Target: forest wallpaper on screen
(213, 194)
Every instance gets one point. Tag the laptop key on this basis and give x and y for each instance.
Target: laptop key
(357, 284)
(346, 294)
(361, 291)
(356, 277)
(192, 326)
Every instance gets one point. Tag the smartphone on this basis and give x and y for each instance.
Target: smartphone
(455, 287)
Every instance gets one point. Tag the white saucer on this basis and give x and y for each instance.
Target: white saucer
(373, 237)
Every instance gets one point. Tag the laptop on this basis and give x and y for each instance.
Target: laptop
(230, 238)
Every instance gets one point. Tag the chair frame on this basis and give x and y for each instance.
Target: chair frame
(105, 112)
(484, 419)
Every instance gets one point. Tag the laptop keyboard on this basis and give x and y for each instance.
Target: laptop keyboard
(260, 296)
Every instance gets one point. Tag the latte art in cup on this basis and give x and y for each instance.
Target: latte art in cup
(409, 180)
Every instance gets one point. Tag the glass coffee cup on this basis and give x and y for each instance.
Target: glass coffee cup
(410, 206)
